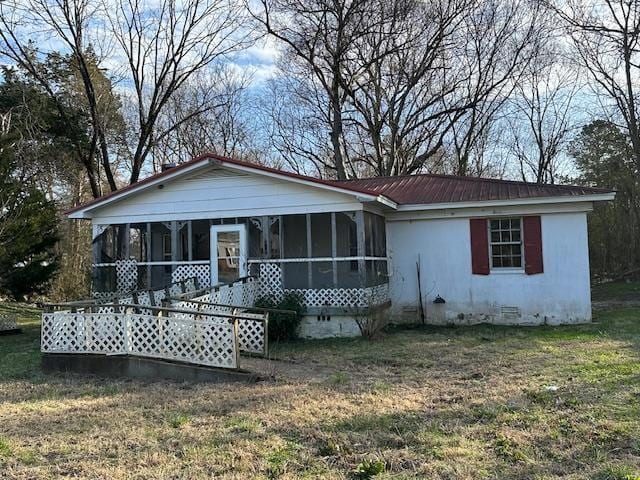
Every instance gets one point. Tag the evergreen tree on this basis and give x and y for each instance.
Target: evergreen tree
(28, 230)
(604, 157)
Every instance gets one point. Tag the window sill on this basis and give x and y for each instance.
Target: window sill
(507, 271)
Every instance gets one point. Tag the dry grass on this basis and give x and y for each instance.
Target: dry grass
(438, 403)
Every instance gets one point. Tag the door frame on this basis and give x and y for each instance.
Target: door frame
(213, 232)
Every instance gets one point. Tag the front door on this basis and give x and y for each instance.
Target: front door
(228, 253)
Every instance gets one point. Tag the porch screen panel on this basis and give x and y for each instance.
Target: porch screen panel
(104, 279)
(294, 236)
(321, 235)
(160, 252)
(274, 237)
(375, 235)
(295, 275)
(348, 275)
(346, 235)
(322, 275)
(183, 242)
(257, 240)
(201, 239)
(294, 244)
(111, 244)
(138, 242)
(376, 272)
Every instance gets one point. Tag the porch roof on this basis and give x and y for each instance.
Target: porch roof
(211, 158)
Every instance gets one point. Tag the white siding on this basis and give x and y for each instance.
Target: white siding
(223, 194)
(559, 295)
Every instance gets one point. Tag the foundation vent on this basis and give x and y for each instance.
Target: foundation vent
(510, 313)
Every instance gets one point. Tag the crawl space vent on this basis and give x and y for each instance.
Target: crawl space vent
(510, 313)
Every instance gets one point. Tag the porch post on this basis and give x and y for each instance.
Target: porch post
(361, 246)
(265, 238)
(174, 245)
(148, 259)
(189, 240)
(309, 247)
(96, 248)
(95, 243)
(127, 247)
(334, 249)
(174, 241)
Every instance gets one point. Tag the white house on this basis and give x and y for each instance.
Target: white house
(486, 250)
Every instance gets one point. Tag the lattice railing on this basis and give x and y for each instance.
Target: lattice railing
(8, 321)
(211, 342)
(150, 297)
(271, 284)
(126, 275)
(344, 297)
(252, 333)
(242, 293)
(252, 327)
(199, 271)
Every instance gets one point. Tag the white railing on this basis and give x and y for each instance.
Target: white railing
(344, 297)
(270, 275)
(242, 293)
(150, 296)
(233, 299)
(182, 337)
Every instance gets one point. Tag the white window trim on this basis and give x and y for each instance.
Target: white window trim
(506, 270)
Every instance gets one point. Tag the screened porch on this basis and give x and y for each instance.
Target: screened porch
(336, 259)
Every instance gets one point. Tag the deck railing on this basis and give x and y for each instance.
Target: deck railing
(210, 341)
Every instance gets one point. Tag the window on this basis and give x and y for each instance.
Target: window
(506, 243)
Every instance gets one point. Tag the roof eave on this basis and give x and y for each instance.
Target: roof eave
(596, 197)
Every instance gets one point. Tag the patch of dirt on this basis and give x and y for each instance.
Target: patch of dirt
(276, 369)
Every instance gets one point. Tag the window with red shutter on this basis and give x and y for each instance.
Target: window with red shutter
(505, 241)
(479, 246)
(532, 233)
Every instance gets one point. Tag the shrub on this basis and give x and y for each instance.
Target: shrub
(283, 326)
(368, 469)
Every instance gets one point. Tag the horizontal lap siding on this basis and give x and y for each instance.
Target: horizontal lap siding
(219, 196)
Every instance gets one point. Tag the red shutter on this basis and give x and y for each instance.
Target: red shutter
(479, 246)
(532, 232)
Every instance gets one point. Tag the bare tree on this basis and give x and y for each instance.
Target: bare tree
(411, 80)
(165, 45)
(496, 43)
(542, 117)
(606, 37)
(296, 125)
(162, 45)
(320, 34)
(22, 24)
(402, 73)
(226, 128)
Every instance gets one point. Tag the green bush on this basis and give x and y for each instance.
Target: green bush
(283, 326)
(368, 469)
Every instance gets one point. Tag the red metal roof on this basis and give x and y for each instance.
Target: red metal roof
(430, 188)
(407, 189)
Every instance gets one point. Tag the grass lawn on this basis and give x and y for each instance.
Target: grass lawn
(434, 403)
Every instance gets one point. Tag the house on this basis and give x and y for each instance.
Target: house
(486, 250)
